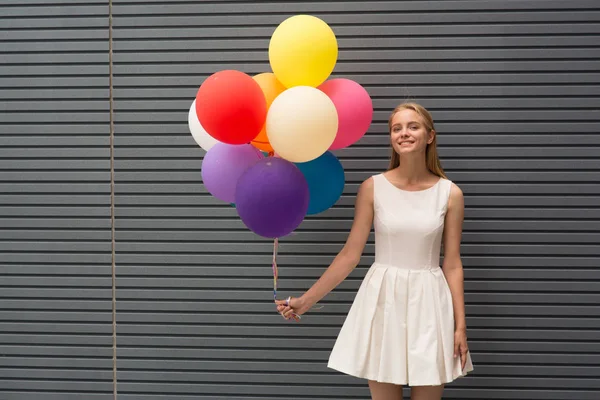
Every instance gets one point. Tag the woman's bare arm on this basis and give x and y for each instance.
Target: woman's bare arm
(452, 267)
(346, 260)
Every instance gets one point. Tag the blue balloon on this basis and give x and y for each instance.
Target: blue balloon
(326, 179)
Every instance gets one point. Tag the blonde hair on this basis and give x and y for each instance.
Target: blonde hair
(432, 160)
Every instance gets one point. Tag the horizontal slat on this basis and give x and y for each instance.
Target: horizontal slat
(48, 269)
(481, 92)
(51, 117)
(294, 271)
(55, 234)
(50, 340)
(56, 316)
(54, 82)
(574, 261)
(324, 390)
(36, 362)
(43, 70)
(25, 127)
(54, 164)
(258, 377)
(53, 246)
(57, 258)
(60, 176)
(266, 307)
(158, 242)
(283, 6)
(89, 305)
(187, 332)
(64, 384)
(351, 50)
(50, 94)
(56, 394)
(379, 131)
(194, 178)
(60, 281)
(99, 199)
(432, 103)
(63, 105)
(41, 34)
(189, 27)
(416, 77)
(208, 224)
(478, 200)
(348, 67)
(59, 351)
(57, 292)
(442, 115)
(497, 188)
(72, 46)
(55, 10)
(67, 211)
(350, 162)
(140, 15)
(450, 393)
(63, 22)
(320, 320)
(55, 223)
(172, 211)
(66, 187)
(199, 283)
(56, 374)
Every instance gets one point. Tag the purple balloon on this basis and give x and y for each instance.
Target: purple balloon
(272, 197)
(223, 165)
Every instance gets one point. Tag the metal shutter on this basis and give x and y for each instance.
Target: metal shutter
(55, 240)
(513, 86)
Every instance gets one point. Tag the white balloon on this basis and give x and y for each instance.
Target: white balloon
(200, 135)
(302, 123)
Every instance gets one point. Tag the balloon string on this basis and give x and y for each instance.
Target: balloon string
(295, 316)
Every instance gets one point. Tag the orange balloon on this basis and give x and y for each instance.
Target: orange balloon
(271, 88)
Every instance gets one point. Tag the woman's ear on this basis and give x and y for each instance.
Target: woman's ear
(431, 136)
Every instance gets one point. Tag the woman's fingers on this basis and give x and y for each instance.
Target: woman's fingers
(288, 313)
(286, 309)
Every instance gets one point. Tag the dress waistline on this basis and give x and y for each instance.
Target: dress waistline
(427, 268)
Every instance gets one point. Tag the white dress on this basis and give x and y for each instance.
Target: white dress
(400, 328)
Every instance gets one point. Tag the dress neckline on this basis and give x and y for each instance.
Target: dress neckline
(411, 191)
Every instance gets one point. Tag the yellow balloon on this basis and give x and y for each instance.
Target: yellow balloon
(271, 88)
(302, 123)
(303, 51)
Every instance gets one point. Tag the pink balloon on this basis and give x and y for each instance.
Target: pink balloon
(354, 107)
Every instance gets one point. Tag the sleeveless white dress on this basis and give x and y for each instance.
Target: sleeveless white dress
(400, 328)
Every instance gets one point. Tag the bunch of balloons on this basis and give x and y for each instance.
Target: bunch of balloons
(269, 138)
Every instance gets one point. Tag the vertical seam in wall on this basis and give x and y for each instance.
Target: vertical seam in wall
(112, 198)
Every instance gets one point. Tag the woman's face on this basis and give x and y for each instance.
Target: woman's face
(408, 133)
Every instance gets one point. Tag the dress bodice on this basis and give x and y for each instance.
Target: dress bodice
(409, 224)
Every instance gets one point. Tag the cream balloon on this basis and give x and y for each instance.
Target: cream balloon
(301, 123)
(199, 134)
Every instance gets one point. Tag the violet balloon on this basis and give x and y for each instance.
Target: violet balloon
(223, 165)
(272, 197)
(354, 107)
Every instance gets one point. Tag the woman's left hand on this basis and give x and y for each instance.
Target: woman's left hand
(460, 346)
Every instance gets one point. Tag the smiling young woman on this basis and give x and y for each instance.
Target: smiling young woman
(407, 323)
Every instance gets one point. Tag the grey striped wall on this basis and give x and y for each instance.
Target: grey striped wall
(514, 88)
(55, 240)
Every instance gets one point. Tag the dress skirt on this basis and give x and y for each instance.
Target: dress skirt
(400, 329)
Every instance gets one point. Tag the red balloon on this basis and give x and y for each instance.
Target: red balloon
(231, 107)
